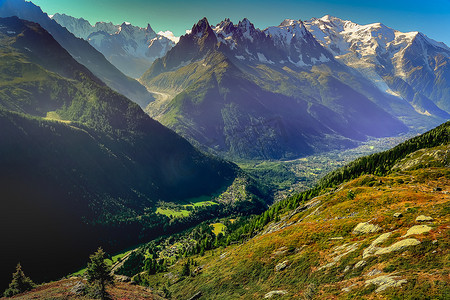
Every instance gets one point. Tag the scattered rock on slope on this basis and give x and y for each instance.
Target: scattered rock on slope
(275, 293)
(385, 281)
(398, 246)
(418, 229)
(423, 218)
(363, 228)
(281, 266)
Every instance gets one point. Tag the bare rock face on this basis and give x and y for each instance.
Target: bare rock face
(364, 228)
(418, 229)
(386, 281)
(423, 218)
(275, 293)
(398, 246)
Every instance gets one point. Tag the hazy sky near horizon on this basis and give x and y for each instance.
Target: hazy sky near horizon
(430, 17)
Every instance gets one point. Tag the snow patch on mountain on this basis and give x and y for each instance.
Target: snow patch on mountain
(263, 59)
(299, 63)
(169, 34)
(286, 31)
(321, 59)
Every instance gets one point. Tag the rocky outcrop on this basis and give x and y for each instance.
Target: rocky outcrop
(423, 218)
(418, 229)
(79, 288)
(373, 247)
(122, 278)
(340, 252)
(386, 281)
(360, 264)
(398, 246)
(364, 228)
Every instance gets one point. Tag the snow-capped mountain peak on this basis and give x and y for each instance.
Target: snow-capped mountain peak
(438, 45)
(234, 35)
(288, 43)
(392, 60)
(225, 27)
(286, 31)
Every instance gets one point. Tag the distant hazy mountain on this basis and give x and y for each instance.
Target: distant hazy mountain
(81, 50)
(275, 93)
(130, 48)
(81, 165)
(409, 65)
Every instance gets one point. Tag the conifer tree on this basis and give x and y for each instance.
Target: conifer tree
(99, 273)
(186, 270)
(19, 284)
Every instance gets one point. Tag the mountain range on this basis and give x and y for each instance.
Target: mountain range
(278, 93)
(80, 50)
(130, 48)
(408, 65)
(285, 91)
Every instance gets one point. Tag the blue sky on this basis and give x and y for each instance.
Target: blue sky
(430, 17)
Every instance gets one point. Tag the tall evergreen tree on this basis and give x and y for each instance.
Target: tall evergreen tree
(99, 273)
(19, 284)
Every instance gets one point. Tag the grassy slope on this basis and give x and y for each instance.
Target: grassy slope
(62, 290)
(319, 248)
(310, 239)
